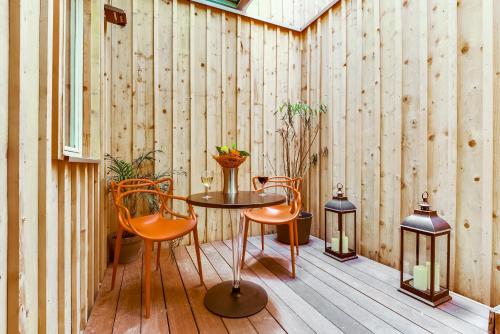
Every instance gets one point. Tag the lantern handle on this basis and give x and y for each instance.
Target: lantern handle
(425, 204)
(340, 193)
(425, 196)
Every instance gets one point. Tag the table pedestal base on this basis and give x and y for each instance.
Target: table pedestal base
(227, 302)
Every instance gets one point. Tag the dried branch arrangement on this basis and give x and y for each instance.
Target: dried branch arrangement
(298, 131)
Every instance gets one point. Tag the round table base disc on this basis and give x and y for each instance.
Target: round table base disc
(222, 301)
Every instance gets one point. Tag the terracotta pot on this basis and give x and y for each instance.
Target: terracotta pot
(303, 229)
(131, 247)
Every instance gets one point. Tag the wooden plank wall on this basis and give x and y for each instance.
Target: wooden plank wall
(413, 106)
(4, 107)
(51, 237)
(185, 78)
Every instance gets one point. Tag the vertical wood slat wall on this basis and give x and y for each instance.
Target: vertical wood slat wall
(401, 118)
(52, 246)
(185, 78)
(420, 112)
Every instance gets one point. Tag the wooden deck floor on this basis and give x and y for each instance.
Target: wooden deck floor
(327, 296)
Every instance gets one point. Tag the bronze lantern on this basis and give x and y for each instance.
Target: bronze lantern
(425, 255)
(340, 243)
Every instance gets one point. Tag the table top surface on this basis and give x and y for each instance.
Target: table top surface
(241, 200)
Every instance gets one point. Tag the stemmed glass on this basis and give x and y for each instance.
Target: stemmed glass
(262, 180)
(206, 178)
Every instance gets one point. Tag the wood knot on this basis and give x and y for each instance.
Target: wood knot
(465, 48)
(472, 143)
(466, 225)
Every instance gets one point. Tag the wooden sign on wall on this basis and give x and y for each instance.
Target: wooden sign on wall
(115, 15)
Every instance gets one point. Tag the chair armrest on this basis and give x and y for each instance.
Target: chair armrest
(165, 207)
(125, 220)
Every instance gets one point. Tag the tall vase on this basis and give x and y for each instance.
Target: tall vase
(230, 180)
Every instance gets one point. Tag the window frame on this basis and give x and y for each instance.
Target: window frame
(74, 147)
(67, 81)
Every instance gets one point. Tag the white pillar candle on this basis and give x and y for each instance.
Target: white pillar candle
(420, 277)
(345, 244)
(436, 276)
(335, 244)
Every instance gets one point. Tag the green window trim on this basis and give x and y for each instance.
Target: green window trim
(72, 145)
(228, 3)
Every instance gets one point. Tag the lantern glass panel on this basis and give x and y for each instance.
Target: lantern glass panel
(349, 225)
(441, 262)
(416, 259)
(333, 232)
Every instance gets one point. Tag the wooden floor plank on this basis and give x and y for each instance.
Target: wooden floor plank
(281, 311)
(460, 306)
(324, 306)
(366, 301)
(103, 313)
(158, 321)
(180, 315)
(206, 321)
(393, 304)
(263, 321)
(211, 278)
(391, 276)
(128, 313)
(327, 296)
(370, 313)
(448, 322)
(313, 317)
(463, 302)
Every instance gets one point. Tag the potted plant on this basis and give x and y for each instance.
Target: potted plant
(140, 168)
(298, 131)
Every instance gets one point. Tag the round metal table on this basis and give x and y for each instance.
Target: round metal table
(236, 298)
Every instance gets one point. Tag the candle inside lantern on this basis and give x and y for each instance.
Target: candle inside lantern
(436, 276)
(420, 277)
(335, 244)
(345, 244)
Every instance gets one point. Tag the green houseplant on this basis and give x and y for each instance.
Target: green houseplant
(298, 130)
(118, 170)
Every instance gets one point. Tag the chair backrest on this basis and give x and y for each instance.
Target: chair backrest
(133, 184)
(124, 216)
(295, 201)
(293, 182)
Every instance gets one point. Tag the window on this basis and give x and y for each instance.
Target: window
(73, 91)
(236, 4)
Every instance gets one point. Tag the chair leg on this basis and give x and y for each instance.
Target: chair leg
(158, 251)
(246, 223)
(262, 235)
(118, 245)
(292, 253)
(147, 273)
(296, 236)
(198, 255)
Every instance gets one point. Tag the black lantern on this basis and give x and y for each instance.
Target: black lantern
(425, 255)
(340, 243)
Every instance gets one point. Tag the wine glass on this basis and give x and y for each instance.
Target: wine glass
(262, 180)
(206, 178)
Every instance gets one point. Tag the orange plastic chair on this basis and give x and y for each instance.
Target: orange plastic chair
(157, 229)
(276, 215)
(129, 184)
(292, 182)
